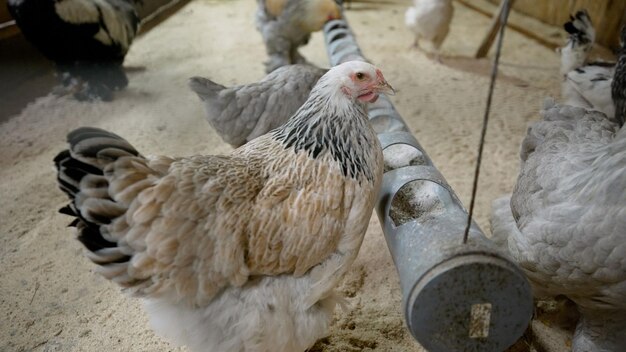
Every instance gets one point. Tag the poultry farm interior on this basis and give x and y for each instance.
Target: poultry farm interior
(53, 300)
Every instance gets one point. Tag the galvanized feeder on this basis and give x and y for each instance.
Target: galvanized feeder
(456, 296)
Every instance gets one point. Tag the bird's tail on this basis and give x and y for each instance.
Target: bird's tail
(582, 35)
(83, 173)
(205, 88)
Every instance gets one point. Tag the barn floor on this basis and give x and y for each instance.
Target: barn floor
(49, 297)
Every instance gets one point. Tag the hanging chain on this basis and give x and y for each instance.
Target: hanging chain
(494, 73)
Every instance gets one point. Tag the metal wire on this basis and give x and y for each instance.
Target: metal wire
(494, 73)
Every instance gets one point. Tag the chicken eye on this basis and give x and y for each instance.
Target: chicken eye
(360, 76)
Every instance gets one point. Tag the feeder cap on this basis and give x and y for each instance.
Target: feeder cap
(470, 302)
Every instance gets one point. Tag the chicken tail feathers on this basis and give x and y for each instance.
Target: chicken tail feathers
(580, 28)
(81, 175)
(582, 35)
(205, 88)
(98, 147)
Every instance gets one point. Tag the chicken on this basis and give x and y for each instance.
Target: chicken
(565, 222)
(590, 87)
(87, 40)
(238, 252)
(285, 25)
(585, 84)
(241, 113)
(618, 87)
(430, 20)
(581, 37)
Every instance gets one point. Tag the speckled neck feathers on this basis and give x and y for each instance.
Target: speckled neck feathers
(330, 122)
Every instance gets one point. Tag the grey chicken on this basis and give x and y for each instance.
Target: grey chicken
(285, 25)
(242, 113)
(565, 222)
(238, 252)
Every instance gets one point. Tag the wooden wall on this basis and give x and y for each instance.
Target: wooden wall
(608, 16)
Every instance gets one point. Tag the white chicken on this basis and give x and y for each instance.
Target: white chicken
(241, 113)
(585, 84)
(430, 20)
(285, 25)
(238, 252)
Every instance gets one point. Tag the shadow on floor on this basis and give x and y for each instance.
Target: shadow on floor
(25, 75)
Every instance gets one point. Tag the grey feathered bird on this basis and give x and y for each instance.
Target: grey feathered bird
(285, 25)
(239, 252)
(565, 222)
(242, 113)
(585, 84)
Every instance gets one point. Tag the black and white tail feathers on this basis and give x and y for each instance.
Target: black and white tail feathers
(81, 175)
(582, 36)
(585, 84)
(580, 28)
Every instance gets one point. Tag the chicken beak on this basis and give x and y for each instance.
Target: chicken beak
(384, 87)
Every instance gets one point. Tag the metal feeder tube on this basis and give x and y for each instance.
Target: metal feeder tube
(456, 297)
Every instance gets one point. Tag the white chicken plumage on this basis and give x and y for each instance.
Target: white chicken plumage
(238, 252)
(285, 25)
(585, 84)
(565, 222)
(430, 20)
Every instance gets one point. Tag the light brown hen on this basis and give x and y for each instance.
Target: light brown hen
(239, 252)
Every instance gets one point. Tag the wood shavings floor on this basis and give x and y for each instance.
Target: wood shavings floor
(49, 297)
